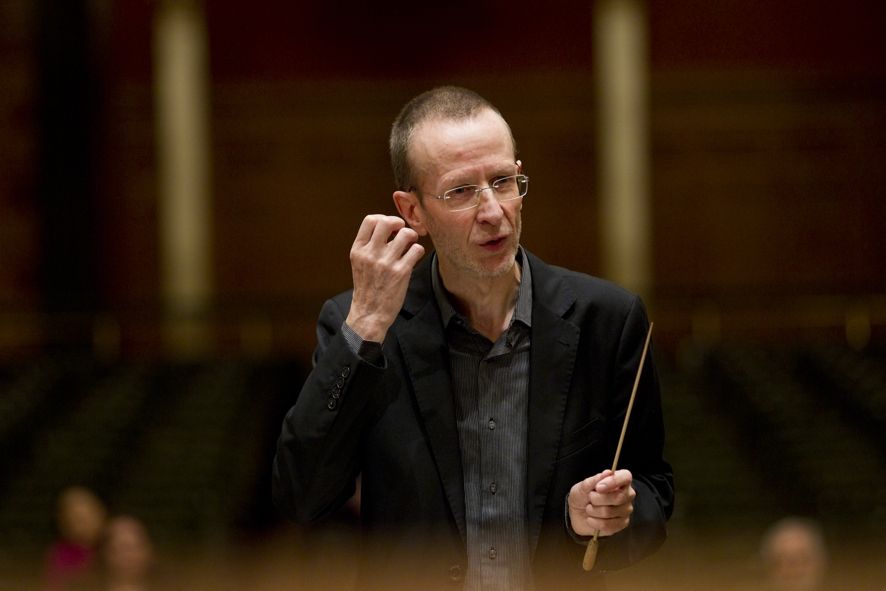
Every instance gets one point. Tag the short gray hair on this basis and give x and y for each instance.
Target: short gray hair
(451, 103)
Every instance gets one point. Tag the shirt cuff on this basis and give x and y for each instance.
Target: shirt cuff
(369, 351)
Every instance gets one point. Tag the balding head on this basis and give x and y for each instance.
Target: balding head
(442, 103)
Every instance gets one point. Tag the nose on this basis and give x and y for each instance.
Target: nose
(490, 209)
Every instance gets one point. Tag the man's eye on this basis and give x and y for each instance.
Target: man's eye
(464, 191)
(504, 183)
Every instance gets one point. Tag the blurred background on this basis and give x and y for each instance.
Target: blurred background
(180, 183)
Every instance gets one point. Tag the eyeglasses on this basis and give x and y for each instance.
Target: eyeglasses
(468, 196)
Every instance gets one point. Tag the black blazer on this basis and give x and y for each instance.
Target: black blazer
(396, 426)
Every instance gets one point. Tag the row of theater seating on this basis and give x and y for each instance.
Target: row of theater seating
(186, 447)
(780, 430)
(754, 432)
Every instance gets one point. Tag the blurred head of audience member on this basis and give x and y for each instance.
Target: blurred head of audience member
(81, 521)
(128, 555)
(794, 555)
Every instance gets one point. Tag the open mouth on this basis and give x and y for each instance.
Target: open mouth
(495, 242)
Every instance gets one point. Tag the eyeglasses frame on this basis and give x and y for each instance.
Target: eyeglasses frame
(444, 197)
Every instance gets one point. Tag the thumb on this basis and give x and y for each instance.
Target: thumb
(584, 487)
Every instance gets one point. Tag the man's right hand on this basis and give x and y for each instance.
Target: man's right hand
(382, 258)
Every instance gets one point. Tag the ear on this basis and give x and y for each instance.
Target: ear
(410, 209)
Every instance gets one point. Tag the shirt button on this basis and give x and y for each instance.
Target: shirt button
(493, 487)
(491, 424)
(492, 554)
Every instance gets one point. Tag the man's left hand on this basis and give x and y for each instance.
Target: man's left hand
(603, 502)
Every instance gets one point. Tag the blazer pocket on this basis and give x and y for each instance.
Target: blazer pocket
(582, 438)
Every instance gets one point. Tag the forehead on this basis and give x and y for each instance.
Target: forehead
(446, 147)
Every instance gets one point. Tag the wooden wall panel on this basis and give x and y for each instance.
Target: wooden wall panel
(768, 126)
(19, 223)
(129, 239)
(769, 185)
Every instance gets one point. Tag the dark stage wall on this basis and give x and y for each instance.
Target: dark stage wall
(768, 133)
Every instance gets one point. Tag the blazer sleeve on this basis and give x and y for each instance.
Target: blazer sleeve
(642, 451)
(317, 458)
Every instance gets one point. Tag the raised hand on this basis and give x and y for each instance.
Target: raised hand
(382, 258)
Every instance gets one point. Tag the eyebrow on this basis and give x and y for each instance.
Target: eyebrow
(508, 170)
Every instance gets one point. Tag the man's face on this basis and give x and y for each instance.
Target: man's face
(795, 560)
(479, 242)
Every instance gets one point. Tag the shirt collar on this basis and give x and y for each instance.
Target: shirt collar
(523, 309)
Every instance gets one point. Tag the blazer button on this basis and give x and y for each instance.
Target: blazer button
(339, 383)
(331, 404)
(346, 371)
(455, 573)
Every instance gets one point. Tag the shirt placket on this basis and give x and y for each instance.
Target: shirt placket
(493, 496)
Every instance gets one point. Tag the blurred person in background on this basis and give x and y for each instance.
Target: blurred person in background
(480, 392)
(126, 559)
(81, 520)
(127, 555)
(794, 556)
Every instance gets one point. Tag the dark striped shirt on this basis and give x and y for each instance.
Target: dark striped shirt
(490, 388)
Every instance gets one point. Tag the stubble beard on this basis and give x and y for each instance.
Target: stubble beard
(463, 262)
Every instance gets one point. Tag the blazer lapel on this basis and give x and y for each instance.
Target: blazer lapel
(552, 361)
(423, 345)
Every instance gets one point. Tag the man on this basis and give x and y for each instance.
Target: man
(794, 555)
(479, 391)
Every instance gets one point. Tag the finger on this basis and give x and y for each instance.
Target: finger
(580, 491)
(414, 255)
(616, 499)
(385, 227)
(618, 480)
(401, 242)
(590, 483)
(367, 226)
(609, 512)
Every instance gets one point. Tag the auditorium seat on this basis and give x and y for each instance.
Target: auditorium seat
(814, 460)
(187, 447)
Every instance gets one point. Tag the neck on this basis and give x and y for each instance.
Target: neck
(487, 302)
